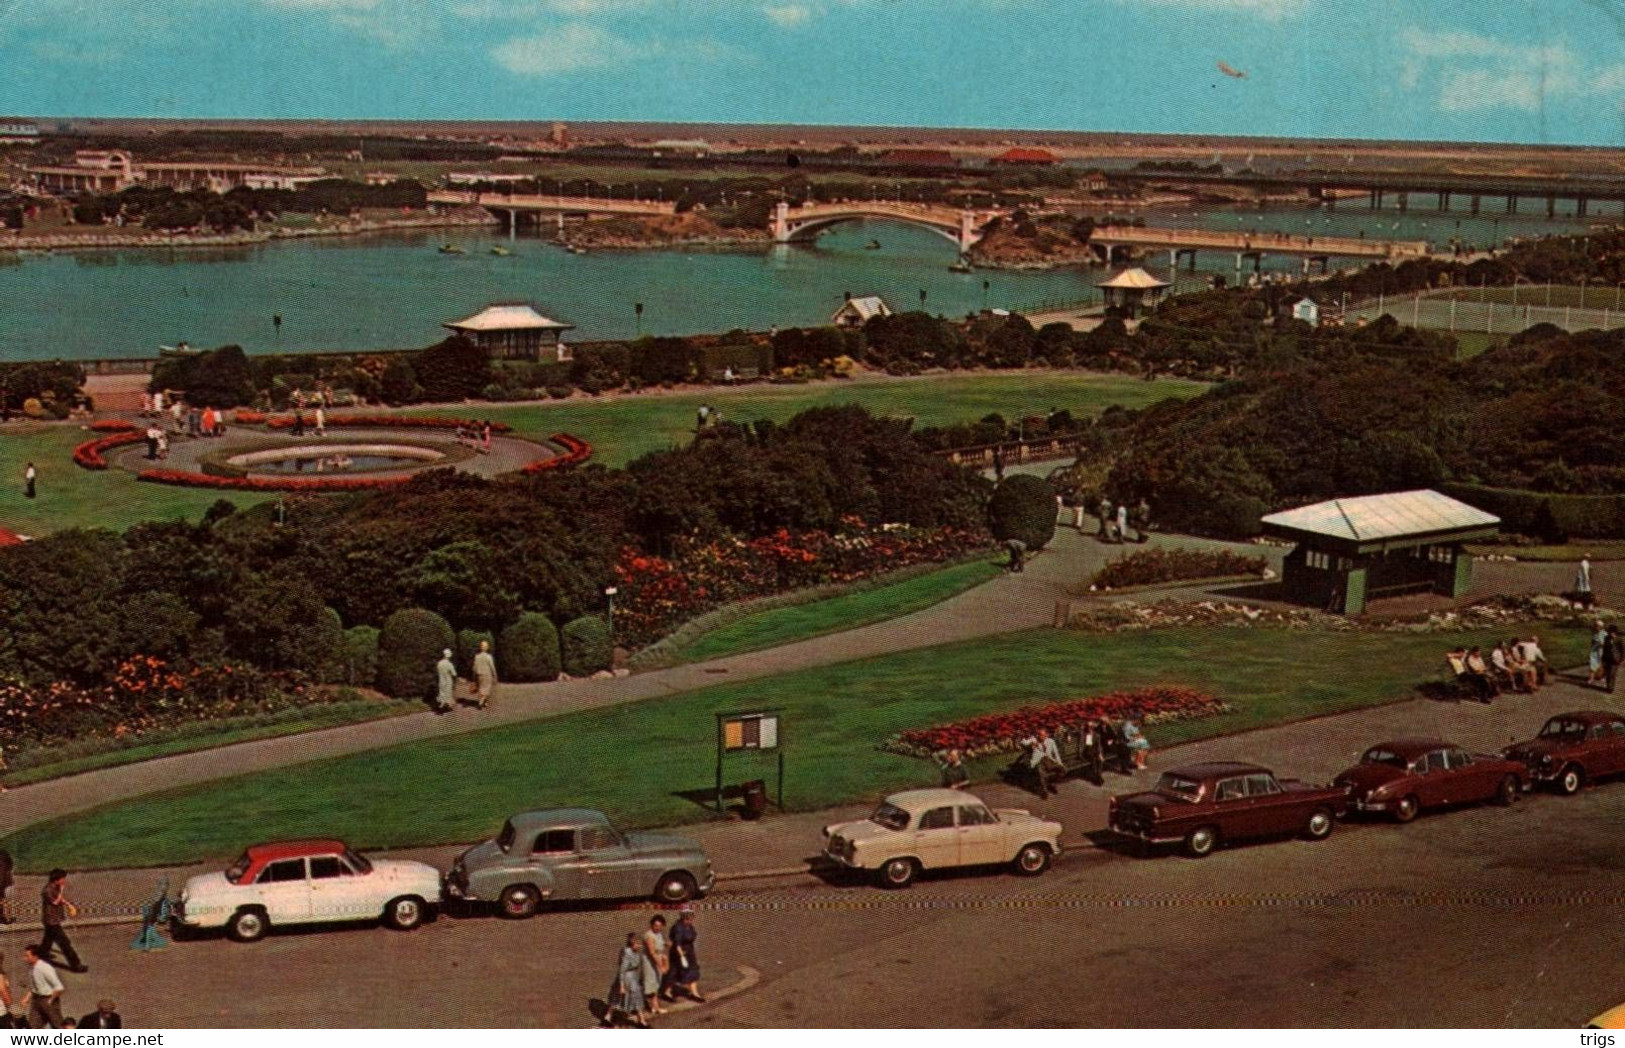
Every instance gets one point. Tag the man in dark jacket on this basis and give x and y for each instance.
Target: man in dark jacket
(105, 1017)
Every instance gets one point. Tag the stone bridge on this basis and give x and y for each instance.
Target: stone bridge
(964, 227)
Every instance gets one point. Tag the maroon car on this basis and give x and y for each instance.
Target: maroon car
(1202, 805)
(1573, 748)
(1404, 776)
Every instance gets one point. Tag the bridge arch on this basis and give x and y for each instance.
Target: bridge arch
(808, 229)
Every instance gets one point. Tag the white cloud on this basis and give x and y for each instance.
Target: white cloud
(566, 49)
(1470, 71)
(788, 15)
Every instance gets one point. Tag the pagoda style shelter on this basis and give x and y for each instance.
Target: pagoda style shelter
(1133, 291)
(514, 331)
(1354, 550)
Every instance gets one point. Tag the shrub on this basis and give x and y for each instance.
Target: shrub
(468, 645)
(528, 649)
(328, 652)
(1023, 507)
(361, 656)
(586, 646)
(1172, 565)
(408, 648)
(559, 392)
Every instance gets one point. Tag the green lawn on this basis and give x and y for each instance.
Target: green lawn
(632, 760)
(773, 627)
(620, 429)
(1592, 296)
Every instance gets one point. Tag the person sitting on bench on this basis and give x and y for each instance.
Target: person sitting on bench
(1531, 653)
(1477, 668)
(1522, 669)
(1043, 761)
(954, 773)
(1501, 669)
(1476, 683)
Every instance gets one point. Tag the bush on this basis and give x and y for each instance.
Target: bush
(1174, 565)
(361, 656)
(468, 645)
(586, 646)
(1023, 507)
(528, 650)
(408, 648)
(559, 392)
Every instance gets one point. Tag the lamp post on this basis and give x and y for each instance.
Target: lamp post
(609, 598)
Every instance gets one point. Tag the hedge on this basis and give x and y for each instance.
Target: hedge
(528, 649)
(586, 646)
(1579, 516)
(361, 656)
(1023, 507)
(408, 649)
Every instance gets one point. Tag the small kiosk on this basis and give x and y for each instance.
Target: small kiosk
(1134, 291)
(1354, 550)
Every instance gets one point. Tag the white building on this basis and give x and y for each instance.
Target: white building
(14, 129)
(855, 312)
(1306, 310)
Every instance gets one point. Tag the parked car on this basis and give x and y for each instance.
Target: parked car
(1204, 805)
(574, 854)
(307, 882)
(1402, 777)
(1572, 749)
(940, 829)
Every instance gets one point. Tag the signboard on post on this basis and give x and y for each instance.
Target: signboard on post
(742, 733)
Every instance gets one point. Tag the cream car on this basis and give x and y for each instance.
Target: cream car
(938, 829)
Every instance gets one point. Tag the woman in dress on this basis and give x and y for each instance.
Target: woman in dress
(1138, 745)
(629, 978)
(685, 963)
(656, 961)
(1599, 640)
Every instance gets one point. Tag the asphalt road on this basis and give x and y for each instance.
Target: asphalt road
(1480, 917)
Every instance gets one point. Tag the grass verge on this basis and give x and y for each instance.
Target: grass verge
(642, 762)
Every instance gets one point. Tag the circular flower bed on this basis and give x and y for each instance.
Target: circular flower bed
(1003, 732)
(89, 454)
(576, 450)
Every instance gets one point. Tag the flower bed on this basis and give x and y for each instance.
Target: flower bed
(576, 451)
(1001, 732)
(1175, 565)
(248, 417)
(185, 479)
(386, 422)
(89, 454)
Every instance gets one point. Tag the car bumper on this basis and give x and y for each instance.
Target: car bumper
(453, 891)
(1358, 804)
(1148, 836)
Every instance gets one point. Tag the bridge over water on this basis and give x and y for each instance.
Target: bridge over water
(1111, 241)
(510, 207)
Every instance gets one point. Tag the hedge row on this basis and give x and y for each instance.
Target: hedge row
(1578, 516)
(401, 657)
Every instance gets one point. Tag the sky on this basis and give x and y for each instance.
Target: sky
(1492, 70)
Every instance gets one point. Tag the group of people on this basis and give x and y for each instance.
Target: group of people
(1513, 665)
(184, 417)
(1040, 763)
(1606, 654)
(39, 1005)
(653, 968)
(1116, 520)
(485, 679)
(476, 435)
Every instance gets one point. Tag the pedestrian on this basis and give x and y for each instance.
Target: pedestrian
(1094, 752)
(30, 478)
(146, 403)
(321, 421)
(700, 417)
(177, 413)
(485, 673)
(656, 962)
(446, 683)
(1141, 519)
(485, 438)
(158, 403)
(1611, 655)
(998, 462)
(298, 422)
(1582, 582)
(954, 774)
(163, 444)
(105, 1017)
(1137, 743)
(1105, 532)
(629, 983)
(685, 963)
(1018, 551)
(44, 989)
(10, 1019)
(7, 880)
(1599, 640)
(152, 443)
(1077, 516)
(55, 909)
(1122, 521)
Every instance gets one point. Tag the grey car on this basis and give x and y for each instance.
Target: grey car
(570, 854)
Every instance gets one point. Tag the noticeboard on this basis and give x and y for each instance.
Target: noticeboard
(751, 731)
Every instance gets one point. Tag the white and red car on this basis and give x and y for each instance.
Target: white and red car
(307, 882)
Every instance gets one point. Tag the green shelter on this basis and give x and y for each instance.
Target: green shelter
(1354, 550)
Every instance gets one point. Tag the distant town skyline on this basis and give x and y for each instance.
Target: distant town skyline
(1408, 69)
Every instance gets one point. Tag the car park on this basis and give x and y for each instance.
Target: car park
(1402, 777)
(1202, 806)
(574, 854)
(919, 830)
(1573, 749)
(307, 882)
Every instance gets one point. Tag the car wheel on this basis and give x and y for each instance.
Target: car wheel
(405, 913)
(1033, 859)
(1320, 824)
(1570, 780)
(1507, 792)
(898, 873)
(1407, 809)
(519, 901)
(248, 925)
(675, 888)
(1200, 842)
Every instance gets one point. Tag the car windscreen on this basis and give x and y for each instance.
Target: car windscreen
(1178, 787)
(238, 869)
(358, 863)
(505, 838)
(891, 817)
(1378, 755)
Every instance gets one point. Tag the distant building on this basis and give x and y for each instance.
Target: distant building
(855, 312)
(918, 158)
(685, 146)
(109, 171)
(515, 331)
(1022, 156)
(1095, 181)
(474, 178)
(381, 178)
(14, 129)
(1133, 291)
(1306, 310)
(269, 180)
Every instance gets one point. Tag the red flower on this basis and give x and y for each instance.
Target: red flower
(89, 454)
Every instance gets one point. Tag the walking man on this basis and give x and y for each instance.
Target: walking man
(44, 989)
(446, 680)
(30, 475)
(55, 909)
(485, 673)
(1582, 582)
(1611, 656)
(1018, 553)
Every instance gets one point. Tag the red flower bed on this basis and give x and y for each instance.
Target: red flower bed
(181, 478)
(386, 422)
(89, 454)
(576, 451)
(1002, 732)
(247, 417)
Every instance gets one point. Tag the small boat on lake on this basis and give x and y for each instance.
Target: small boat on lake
(500, 251)
(873, 245)
(452, 249)
(961, 265)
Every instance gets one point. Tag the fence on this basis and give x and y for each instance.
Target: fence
(1457, 310)
(1038, 449)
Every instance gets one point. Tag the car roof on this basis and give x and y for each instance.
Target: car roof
(275, 850)
(1410, 749)
(1586, 716)
(1215, 769)
(558, 818)
(915, 801)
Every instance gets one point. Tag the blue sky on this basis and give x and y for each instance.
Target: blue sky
(1499, 70)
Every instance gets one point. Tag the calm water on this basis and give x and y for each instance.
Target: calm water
(394, 291)
(357, 464)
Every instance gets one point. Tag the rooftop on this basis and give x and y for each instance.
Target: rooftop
(508, 316)
(1373, 518)
(1135, 278)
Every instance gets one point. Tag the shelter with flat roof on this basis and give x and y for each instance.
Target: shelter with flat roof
(514, 331)
(1132, 291)
(1351, 551)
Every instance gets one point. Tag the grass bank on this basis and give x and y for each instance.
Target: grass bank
(635, 761)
